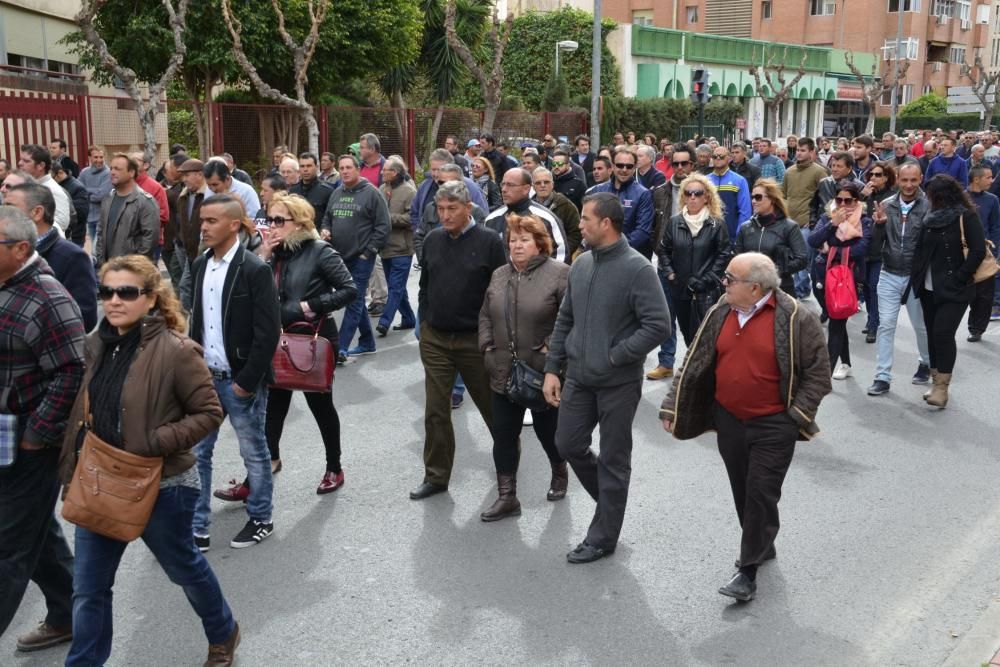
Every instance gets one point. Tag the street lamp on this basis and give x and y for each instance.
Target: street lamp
(567, 45)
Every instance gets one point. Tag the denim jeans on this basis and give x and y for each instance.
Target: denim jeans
(803, 279)
(92, 232)
(668, 348)
(356, 315)
(247, 417)
(872, 272)
(397, 270)
(890, 296)
(168, 535)
(996, 293)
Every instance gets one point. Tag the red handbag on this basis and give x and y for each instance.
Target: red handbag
(303, 362)
(841, 292)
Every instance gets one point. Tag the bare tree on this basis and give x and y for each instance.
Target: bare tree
(146, 108)
(774, 82)
(873, 87)
(491, 82)
(982, 83)
(302, 54)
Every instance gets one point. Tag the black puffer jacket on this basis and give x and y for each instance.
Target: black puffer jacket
(310, 270)
(780, 239)
(697, 262)
(939, 250)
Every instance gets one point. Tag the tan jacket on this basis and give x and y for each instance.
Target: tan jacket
(168, 401)
(400, 240)
(533, 299)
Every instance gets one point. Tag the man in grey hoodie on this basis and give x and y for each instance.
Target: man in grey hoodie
(613, 313)
(97, 179)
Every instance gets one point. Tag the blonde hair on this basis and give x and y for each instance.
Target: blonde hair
(712, 201)
(166, 301)
(302, 211)
(773, 192)
(488, 166)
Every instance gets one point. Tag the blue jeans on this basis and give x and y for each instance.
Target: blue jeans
(890, 297)
(872, 272)
(168, 536)
(247, 417)
(668, 348)
(356, 315)
(397, 270)
(92, 231)
(803, 279)
(996, 294)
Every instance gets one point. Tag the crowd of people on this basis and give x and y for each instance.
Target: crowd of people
(538, 295)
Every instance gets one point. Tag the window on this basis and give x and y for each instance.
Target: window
(642, 17)
(822, 7)
(905, 95)
(983, 14)
(943, 8)
(909, 48)
(692, 14)
(908, 5)
(956, 54)
(965, 10)
(928, 89)
(765, 9)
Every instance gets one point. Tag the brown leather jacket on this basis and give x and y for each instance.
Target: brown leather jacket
(534, 297)
(168, 401)
(802, 359)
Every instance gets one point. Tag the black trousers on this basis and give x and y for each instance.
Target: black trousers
(508, 419)
(682, 307)
(942, 321)
(323, 411)
(982, 306)
(838, 343)
(32, 545)
(605, 476)
(757, 453)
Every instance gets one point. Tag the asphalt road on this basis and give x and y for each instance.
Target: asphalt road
(887, 553)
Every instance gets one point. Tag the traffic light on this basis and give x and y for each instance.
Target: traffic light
(699, 86)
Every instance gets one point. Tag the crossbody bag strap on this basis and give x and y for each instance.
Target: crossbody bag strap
(511, 341)
(961, 228)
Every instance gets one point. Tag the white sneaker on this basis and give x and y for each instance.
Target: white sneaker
(842, 372)
(529, 419)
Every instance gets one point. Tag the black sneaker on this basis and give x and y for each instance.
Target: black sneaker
(923, 374)
(878, 388)
(202, 542)
(341, 358)
(253, 533)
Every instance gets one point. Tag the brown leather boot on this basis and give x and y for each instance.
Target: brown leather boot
(927, 394)
(939, 392)
(560, 480)
(223, 655)
(507, 504)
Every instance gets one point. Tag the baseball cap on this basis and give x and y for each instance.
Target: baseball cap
(472, 142)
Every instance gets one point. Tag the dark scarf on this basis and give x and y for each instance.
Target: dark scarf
(106, 384)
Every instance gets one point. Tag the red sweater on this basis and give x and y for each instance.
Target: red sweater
(747, 377)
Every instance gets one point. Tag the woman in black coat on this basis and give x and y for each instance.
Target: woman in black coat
(312, 282)
(880, 185)
(771, 232)
(693, 253)
(942, 275)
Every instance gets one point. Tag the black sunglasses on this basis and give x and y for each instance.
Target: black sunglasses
(694, 193)
(126, 293)
(880, 174)
(276, 221)
(843, 201)
(757, 197)
(622, 165)
(682, 163)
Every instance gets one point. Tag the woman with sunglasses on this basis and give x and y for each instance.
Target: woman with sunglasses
(941, 276)
(269, 187)
(312, 282)
(693, 253)
(771, 232)
(150, 393)
(846, 225)
(482, 174)
(880, 185)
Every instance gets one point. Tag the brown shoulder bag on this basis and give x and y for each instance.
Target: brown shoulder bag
(989, 266)
(112, 492)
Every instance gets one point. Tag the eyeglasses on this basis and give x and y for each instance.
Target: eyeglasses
(843, 201)
(276, 221)
(558, 163)
(757, 197)
(622, 165)
(540, 182)
(719, 157)
(681, 163)
(877, 174)
(694, 193)
(126, 293)
(730, 278)
(11, 241)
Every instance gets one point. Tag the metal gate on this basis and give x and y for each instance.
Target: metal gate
(38, 118)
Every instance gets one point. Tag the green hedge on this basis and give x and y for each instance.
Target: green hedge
(660, 116)
(958, 121)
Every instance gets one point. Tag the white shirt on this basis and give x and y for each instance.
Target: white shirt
(63, 203)
(212, 306)
(245, 193)
(743, 316)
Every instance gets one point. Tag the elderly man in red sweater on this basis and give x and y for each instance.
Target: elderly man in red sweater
(755, 374)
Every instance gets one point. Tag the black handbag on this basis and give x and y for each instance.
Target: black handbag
(524, 383)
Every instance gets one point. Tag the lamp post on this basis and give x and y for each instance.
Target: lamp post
(595, 79)
(567, 45)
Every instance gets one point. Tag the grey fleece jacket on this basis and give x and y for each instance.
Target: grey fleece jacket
(612, 315)
(357, 219)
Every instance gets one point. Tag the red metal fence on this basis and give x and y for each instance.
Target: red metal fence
(251, 131)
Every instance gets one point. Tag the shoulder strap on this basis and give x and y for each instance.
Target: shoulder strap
(961, 228)
(511, 342)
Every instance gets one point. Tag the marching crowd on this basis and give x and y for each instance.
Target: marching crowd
(538, 295)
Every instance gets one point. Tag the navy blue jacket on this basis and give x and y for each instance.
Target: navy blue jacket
(73, 268)
(989, 214)
(638, 204)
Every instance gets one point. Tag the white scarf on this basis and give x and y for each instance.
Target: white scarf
(695, 222)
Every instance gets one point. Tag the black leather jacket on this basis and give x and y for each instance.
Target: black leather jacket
(697, 262)
(315, 273)
(781, 240)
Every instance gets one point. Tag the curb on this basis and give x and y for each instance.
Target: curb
(981, 642)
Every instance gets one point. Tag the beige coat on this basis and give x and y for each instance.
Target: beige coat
(400, 241)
